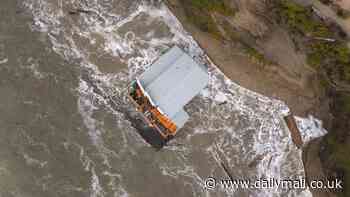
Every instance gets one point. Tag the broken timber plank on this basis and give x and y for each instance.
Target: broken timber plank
(294, 131)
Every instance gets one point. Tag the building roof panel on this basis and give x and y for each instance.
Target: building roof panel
(161, 65)
(172, 81)
(180, 118)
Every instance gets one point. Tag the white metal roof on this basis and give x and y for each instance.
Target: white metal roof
(172, 81)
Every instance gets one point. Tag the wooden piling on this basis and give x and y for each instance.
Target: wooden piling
(294, 131)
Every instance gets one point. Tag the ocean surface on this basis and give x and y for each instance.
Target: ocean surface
(63, 124)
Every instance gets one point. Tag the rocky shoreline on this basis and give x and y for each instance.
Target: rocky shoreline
(267, 52)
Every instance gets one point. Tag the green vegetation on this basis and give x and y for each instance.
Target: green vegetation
(212, 6)
(300, 19)
(337, 146)
(340, 151)
(339, 154)
(324, 82)
(336, 52)
(332, 60)
(342, 13)
(252, 52)
(347, 73)
(334, 57)
(344, 102)
(199, 13)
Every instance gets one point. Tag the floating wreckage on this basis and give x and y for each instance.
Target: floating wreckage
(161, 92)
(293, 129)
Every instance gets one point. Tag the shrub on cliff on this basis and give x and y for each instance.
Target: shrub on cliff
(199, 12)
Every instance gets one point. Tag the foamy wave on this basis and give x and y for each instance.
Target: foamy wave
(310, 128)
(3, 61)
(246, 127)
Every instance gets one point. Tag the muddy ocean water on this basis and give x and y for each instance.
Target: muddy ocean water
(60, 134)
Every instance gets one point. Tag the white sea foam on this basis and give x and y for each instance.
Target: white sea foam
(33, 161)
(310, 128)
(248, 128)
(33, 66)
(4, 61)
(97, 190)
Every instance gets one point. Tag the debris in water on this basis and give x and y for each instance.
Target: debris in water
(78, 11)
(162, 91)
(294, 131)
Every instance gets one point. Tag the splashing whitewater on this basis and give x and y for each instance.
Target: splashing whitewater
(247, 131)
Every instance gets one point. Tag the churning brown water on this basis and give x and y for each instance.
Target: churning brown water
(60, 135)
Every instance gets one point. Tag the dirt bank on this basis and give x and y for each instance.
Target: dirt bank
(312, 165)
(261, 55)
(287, 77)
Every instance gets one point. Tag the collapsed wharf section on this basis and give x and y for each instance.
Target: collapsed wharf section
(161, 92)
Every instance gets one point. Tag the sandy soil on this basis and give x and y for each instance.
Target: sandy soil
(291, 80)
(345, 4)
(329, 13)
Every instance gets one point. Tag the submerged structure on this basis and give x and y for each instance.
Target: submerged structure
(163, 90)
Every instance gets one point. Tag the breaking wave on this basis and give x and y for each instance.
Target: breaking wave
(228, 122)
